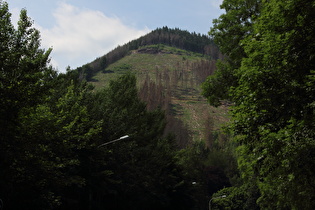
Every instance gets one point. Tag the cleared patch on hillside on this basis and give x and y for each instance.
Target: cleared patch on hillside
(170, 78)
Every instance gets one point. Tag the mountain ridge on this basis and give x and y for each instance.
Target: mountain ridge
(178, 38)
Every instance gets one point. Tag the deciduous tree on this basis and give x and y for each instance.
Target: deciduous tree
(273, 116)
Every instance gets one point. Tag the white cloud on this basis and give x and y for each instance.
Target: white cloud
(81, 35)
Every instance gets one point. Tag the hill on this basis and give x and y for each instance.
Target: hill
(170, 65)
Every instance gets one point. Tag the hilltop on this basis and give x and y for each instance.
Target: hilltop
(170, 65)
(177, 38)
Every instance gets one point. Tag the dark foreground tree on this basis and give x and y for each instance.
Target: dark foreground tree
(140, 172)
(24, 83)
(51, 128)
(43, 130)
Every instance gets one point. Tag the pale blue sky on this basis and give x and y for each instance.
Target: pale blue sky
(81, 30)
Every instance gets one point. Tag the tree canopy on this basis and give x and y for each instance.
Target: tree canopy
(273, 96)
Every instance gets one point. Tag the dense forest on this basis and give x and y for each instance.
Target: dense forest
(53, 129)
(55, 126)
(268, 74)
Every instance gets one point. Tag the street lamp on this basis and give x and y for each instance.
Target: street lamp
(222, 196)
(121, 138)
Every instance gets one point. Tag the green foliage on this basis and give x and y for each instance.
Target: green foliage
(140, 172)
(52, 124)
(217, 86)
(23, 65)
(30, 169)
(273, 103)
(51, 138)
(273, 116)
(228, 31)
(236, 197)
(223, 156)
(232, 27)
(210, 169)
(123, 107)
(122, 69)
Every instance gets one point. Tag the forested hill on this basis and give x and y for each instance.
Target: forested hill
(178, 38)
(170, 66)
(55, 130)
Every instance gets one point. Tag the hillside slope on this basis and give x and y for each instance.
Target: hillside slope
(169, 76)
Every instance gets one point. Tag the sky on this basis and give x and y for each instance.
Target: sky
(79, 31)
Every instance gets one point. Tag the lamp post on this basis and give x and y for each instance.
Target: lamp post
(121, 138)
(222, 196)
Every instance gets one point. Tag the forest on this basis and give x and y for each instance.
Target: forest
(54, 126)
(54, 129)
(268, 75)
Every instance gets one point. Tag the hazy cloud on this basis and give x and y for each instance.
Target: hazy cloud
(81, 35)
